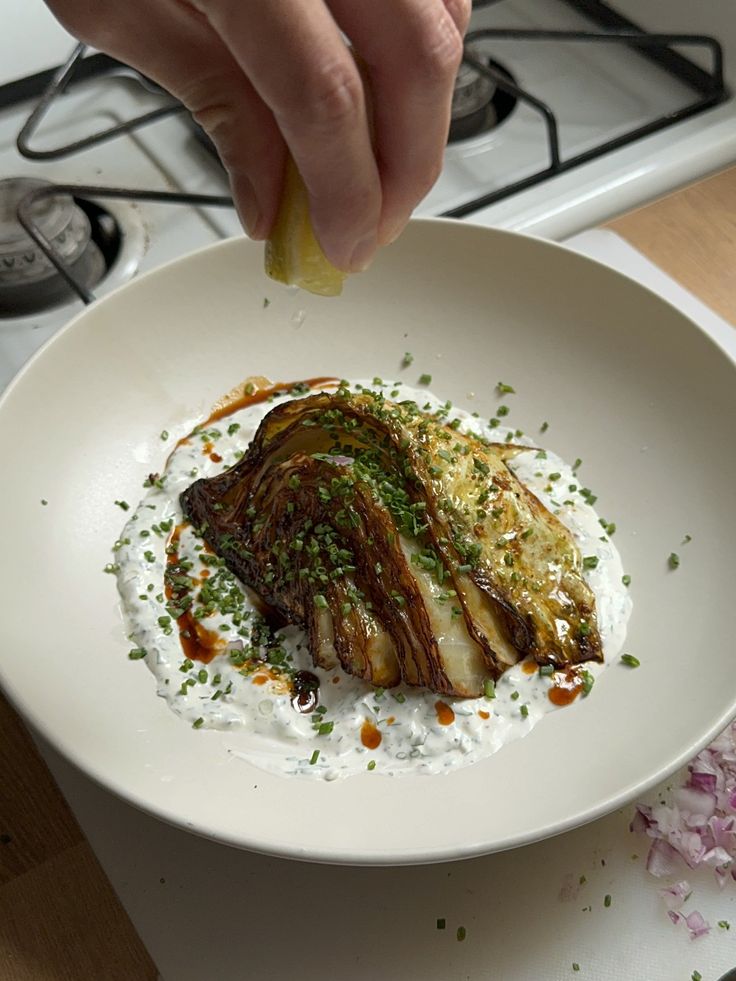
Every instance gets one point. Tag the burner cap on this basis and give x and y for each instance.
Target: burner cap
(473, 91)
(478, 103)
(29, 283)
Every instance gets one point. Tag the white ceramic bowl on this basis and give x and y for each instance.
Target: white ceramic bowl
(626, 382)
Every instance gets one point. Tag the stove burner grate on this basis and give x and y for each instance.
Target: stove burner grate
(488, 85)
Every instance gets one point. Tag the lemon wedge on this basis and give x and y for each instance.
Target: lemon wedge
(293, 254)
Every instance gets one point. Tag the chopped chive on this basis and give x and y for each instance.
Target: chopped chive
(407, 359)
(441, 923)
(425, 379)
(320, 602)
(504, 389)
(607, 901)
(588, 682)
(590, 562)
(371, 765)
(630, 660)
(524, 711)
(626, 580)
(674, 560)
(544, 427)
(724, 924)
(461, 933)
(489, 688)
(164, 434)
(314, 757)
(546, 670)
(198, 723)
(325, 728)
(686, 539)
(514, 696)
(575, 966)
(123, 505)
(502, 410)
(137, 653)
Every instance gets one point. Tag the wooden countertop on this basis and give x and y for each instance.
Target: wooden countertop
(691, 235)
(59, 917)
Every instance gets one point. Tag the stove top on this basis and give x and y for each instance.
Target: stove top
(547, 85)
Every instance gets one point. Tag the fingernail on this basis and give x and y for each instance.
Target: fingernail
(363, 253)
(389, 236)
(250, 213)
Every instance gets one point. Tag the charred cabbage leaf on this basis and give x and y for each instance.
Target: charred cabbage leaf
(408, 550)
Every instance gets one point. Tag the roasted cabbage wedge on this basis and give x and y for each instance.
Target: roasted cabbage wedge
(408, 550)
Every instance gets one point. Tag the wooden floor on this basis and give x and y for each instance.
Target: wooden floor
(59, 916)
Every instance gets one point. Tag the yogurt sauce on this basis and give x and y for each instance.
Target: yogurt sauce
(355, 727)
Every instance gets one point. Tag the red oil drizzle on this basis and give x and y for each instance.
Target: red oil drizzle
(215, 457)
(445, 715)
(369, 735)
(197, 643)
(566, 688)
(263, 394)
(484, 715)
(529, 667)
(233, 403)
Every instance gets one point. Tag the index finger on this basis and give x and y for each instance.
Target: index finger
(297, 61)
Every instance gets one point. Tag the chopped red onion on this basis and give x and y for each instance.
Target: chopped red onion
(698, 827)
(674, 896)
(696, 925)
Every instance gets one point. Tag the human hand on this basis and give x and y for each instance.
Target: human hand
(263, 75)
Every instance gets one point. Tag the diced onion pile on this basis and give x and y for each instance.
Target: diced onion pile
(698, 827)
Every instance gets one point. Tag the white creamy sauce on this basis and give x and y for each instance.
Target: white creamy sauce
(253, 712)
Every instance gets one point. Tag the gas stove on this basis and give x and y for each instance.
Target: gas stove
(565, 112)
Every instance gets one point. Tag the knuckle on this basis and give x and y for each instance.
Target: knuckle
(334, 94)
(440, 48)
(460, 11)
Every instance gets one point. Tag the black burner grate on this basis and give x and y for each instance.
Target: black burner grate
(708, 89)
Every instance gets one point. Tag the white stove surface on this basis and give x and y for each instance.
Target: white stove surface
(205, 910)
(598, 91)
(164, 156)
